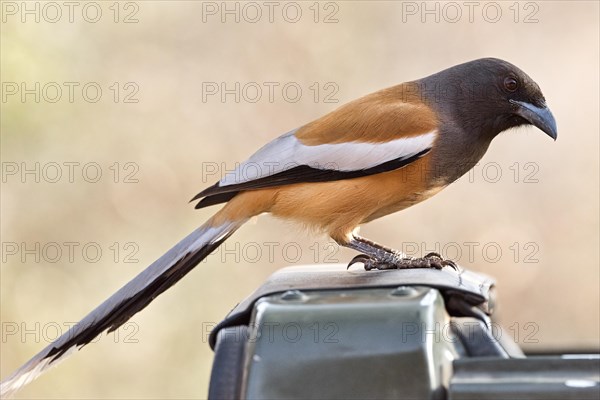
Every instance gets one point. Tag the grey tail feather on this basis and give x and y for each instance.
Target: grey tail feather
(126, 302)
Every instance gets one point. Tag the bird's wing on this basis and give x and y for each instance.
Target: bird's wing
(377, 133)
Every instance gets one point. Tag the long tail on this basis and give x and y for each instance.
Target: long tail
(125, 303)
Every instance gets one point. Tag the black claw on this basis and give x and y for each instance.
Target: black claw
(361, 258)
(439, 262)
(451, 264)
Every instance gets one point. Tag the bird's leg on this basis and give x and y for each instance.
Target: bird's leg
(376, 256)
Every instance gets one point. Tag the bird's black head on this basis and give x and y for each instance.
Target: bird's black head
(488, 96)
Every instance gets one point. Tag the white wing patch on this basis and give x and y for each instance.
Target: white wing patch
(287, 152)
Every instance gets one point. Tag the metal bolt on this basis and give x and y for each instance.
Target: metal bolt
(404, 291)
(291, 295)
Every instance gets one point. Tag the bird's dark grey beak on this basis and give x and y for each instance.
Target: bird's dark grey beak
(540, 117)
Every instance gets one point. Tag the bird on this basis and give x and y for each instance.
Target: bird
(371, 157)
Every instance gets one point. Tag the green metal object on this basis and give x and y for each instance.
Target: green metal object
(322, 332)
(532, 378)
(371, 343)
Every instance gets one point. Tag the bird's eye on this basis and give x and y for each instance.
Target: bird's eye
(511, 84)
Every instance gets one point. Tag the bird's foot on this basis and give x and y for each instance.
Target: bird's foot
(439, 262)
(431, 260)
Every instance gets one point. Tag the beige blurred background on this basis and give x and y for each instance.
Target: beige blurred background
(541, 212)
